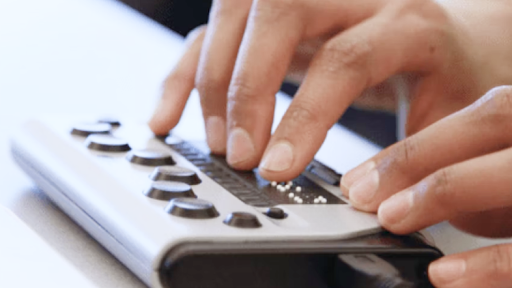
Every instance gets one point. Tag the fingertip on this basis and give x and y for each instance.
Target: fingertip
(279, 162)
(279, 176)
(161, 122)
(278, 158)
(446, 271)
(354, 175)
(241, 153)
(344, 188)
(393, 212)
(216, 134)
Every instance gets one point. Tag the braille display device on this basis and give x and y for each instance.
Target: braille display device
(178, 216)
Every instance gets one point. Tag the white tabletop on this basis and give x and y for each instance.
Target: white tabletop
(98, 56)
(28, 261)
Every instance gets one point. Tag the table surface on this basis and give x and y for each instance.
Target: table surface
(101, 57)
(23, 250)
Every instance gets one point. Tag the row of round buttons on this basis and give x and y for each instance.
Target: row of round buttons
(171, 182)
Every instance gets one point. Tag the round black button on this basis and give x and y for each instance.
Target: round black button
(88, 129)
(106, 143)
(191, 208)
(175, 173)
(242, 220)
(276, 213)
(108, 120)
(150, 158)
(169, 190)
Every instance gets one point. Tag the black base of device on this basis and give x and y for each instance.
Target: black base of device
(378, 261)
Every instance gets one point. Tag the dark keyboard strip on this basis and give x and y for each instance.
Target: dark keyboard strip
(249, 186)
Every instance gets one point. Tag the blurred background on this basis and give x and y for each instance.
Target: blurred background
(182, 16)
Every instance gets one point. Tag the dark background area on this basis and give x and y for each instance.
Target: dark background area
(184, 15)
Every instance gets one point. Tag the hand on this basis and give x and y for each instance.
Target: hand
(458, 169)
(239, 61)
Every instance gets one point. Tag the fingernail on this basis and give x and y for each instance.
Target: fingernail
(240, 146)
(216, 134)
(279, 157)
(396, 208)
(363, 191)
(443, 272)
(355, 174)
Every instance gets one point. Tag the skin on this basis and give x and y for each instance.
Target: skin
(445, 54)
(458, 170)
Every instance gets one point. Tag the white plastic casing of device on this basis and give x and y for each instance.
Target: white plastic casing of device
(103, 192)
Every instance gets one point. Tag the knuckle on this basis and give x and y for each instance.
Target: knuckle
(401, 157)
(241, 91)
(211, 84)
(495, 107)
(348, 54)
(430, 24)
(501, 261)
(303, 115)
(440, 186)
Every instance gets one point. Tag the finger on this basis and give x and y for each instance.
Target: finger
(475, 185)
(273, 31)
(223, 36)
(489, 267)
(178, 85)
(472, 132)
(351, 62)
(495, 223)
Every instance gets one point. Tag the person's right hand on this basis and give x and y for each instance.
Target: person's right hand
(346, 47)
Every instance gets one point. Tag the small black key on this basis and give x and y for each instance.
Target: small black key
(275, 213)
(175, 173)
(106, 143)
(109, 120)
(167, 190)
(93, 128)
(242, 220)
(150, 158)
(191, 208)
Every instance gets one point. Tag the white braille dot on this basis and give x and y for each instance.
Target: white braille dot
(316, 201)
(291, 195)
(296, 198)
(288, 187)
(298, 189)
(323, 200)
(279, 186)
(299, 201)
(273, 183)
(290, 183)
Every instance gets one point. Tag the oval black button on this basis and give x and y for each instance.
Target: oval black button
(191, 208)
(108, 120)
(169, 190)
(150, 158)
(276, 213)
(175, 173)
(88, 129)
(242, 220)
(106, 143)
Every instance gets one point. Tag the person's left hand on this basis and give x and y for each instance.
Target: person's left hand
(458, 169)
